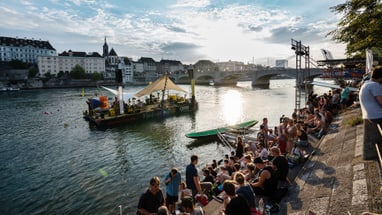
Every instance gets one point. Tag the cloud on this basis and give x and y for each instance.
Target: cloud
(241, 30)
(191, 3)
(176, 29)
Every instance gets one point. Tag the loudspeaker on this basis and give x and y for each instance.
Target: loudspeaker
(118, 76)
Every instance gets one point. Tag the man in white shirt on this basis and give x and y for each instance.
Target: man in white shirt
(370, 97)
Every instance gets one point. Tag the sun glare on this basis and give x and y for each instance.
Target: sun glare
(232, 106)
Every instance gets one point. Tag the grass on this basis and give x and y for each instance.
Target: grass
(354, 121)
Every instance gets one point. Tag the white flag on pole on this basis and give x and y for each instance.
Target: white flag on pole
(369, 61)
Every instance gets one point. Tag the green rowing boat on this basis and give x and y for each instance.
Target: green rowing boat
(213, 132)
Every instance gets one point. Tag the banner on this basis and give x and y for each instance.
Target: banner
(369, 61)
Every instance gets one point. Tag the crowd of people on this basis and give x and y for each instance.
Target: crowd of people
(253, 171)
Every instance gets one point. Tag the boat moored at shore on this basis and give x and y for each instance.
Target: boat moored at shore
(122, 112)
(213, 133)
(9, 89)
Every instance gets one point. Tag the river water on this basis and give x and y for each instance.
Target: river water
(53, 162)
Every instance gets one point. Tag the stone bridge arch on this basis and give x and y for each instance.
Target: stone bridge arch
(204, 78)
(261, 78)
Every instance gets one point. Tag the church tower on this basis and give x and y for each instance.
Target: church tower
(105, 49)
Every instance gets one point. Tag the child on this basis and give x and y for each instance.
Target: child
(184, 191)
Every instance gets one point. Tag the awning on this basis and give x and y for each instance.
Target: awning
(159, 85)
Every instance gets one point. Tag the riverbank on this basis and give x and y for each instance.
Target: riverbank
(336, 179)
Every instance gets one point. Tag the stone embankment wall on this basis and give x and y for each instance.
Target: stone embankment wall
(55, 83)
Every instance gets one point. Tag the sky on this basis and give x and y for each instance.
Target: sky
(250, 31)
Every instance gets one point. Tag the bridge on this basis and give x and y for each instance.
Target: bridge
(259, 78)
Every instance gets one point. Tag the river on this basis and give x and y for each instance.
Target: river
(54, 162)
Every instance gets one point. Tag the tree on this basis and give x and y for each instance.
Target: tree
(17, 64)
(359, 27)
(96, 76)
(78, 72)
(60, 74)
(33, 71)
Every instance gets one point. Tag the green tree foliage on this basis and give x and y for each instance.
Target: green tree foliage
(78, 72)
(17, 64)
(360, 27)
(96, 76)
(60, 74)
(33, 71)
(48, 75)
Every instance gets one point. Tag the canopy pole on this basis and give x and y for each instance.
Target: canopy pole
(164, 88)
(191, 73)
(120, 98)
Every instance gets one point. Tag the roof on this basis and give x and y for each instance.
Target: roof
(159, 85)
(112, 52)
(72, 54)
(17, 42)
(126, 61)
(333, 62)
(93, 54)
(171, 62)
(79, 54)
(146, 60)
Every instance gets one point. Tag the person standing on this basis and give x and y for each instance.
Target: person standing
(265, 125)
(344, 96)
(291, 132)
(192, 177)
(172, 181)
(370, 97)
(152, 199)
(262, 136)
(282, 138)
(240, 147)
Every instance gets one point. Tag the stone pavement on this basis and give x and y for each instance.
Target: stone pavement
(336, 179)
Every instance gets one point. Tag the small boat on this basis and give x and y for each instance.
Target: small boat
(212, 133)
(9, 89)
(122, 112)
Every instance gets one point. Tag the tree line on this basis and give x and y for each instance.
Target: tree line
(359, 27)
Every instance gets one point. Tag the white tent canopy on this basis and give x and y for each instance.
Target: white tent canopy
(164, 83)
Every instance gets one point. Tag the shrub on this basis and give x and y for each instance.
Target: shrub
(354, 120)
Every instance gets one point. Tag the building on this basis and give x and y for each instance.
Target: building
(205, 66)
(113, 62)
(127, 67)
(65, 62)
(231, 66)
(281, 63)
(150, 72)
(170, 67)
(25, 50)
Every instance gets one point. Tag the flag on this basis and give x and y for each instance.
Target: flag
(369, 60)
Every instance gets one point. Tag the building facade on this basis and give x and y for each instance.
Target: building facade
(66, 61)
(170, 67)
(205, 66)
(281, 63)
(231, 66)
(25, 50)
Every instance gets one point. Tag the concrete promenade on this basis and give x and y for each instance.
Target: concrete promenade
(336, 179)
